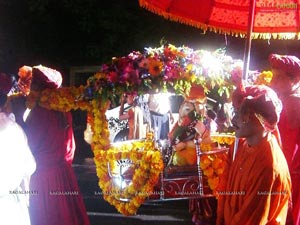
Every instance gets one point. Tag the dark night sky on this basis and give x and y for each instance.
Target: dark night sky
(65, 33)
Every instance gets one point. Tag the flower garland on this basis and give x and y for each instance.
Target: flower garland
(61, 99)
(99, 125)
(223, 139)
(148, 165)
(213, 165)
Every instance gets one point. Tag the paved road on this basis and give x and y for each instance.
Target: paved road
(101, 212)
(171, 213)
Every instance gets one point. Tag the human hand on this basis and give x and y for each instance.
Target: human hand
(200, 128)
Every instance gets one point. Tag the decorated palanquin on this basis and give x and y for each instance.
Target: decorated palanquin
(136, 171)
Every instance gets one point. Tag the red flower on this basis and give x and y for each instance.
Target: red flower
(113, 77)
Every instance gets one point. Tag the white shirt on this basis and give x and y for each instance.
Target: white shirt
(16, 166)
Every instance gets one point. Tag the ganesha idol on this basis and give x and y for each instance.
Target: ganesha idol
(192, 124)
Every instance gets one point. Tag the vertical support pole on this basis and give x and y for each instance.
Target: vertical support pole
(200, 175)
(248, 39)
(247, 54)
(161, 147)
(162, 192)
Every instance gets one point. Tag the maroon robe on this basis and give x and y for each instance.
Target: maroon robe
(58, 200)
(289, 128)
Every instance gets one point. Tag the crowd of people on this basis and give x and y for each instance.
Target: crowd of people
(261, 179)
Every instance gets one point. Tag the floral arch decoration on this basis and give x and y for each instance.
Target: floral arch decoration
(163, 69)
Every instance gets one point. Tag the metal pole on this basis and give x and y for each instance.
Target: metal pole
(246, 56)
(248, 39)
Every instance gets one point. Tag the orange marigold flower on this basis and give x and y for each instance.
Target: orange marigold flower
(213, 182)
(209, 172)
(155, 67)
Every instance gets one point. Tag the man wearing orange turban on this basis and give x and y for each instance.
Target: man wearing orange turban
(255, 188)
(286, 82)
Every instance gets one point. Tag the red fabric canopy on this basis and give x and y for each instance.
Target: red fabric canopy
(278, 19)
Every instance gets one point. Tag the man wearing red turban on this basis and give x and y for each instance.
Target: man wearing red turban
(51, 139)
(255, 188)
(286, 82)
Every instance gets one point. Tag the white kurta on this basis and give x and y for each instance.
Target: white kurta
(16, 166)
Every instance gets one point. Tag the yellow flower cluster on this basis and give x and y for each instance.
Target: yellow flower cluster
(264, 78)
(213, 164)
(148, 165)
(99, 125)
(223, 139)
(61, 99)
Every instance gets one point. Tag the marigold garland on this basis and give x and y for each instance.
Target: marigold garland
(62, 99)
(99, 125)
(223, 139)
(213, 165)
(148, 163)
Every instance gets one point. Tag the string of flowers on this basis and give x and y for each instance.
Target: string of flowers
(148, 165)
(99, 125)
(61, 99)
(213, 165)
(223, 139)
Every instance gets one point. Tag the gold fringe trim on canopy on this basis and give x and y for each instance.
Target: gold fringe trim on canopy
(218, 30)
